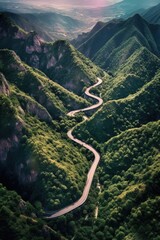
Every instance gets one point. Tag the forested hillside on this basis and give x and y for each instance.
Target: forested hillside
(118, 37)
(32, 148)
(59, 60)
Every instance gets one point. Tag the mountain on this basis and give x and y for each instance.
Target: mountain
(130, 168)
(32, 149)
(126, 131)
(86, 36)
(49, 26)
(122, 8)
(99, 38)
(42, 171)
(113, 37)
(120, 47)
(119, 115)
(58, 60)
(152, 15)
(19, 218)
(138, 70)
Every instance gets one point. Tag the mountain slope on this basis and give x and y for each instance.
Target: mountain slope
(131, 168)
(42, 165)
(18, 218)
(138, 70)
(49, 26)
(152, 15)
(99, 39)
(59, 60)
(86, 36)
(119, 115)
(55, 98)
(115, 35)
(123, 8)
(129, 187)
(35, 156)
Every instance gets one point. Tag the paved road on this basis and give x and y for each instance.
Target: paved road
(92, 170)
(87, 92)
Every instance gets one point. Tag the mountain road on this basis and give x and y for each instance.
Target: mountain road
(94, 165)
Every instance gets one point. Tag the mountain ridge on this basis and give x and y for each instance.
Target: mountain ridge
(54, 59)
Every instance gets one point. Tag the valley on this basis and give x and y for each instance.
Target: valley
(80, 121)
(96, 160)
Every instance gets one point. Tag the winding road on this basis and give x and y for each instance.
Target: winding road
(93, 167)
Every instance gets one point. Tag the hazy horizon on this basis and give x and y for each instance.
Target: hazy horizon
(67, 3)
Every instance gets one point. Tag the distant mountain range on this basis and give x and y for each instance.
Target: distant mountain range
(49, 26)
(153, 14)
(120, 9)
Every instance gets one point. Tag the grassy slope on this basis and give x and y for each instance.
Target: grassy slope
(98, 40)
(110, 46)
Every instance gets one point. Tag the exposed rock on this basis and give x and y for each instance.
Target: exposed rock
(4, 87)
(38, 111)
(35, 45)
(22, 205)
(35, 61)
(6, 145)
(19, 35)
(60, 56)
(51, 63)
(29, 49)
(16, 66)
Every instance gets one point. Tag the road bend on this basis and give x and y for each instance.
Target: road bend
(94, 165)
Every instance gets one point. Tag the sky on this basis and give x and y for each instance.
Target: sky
(92, 3)
(83, 3)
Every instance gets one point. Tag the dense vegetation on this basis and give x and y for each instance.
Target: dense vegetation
(119, 115)
(44, 167)
(129, 193)
(34, 129)
(139, 69)
(33, 82)
(19, 220)
(132, 188)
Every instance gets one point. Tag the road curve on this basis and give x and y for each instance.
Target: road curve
(93, 167)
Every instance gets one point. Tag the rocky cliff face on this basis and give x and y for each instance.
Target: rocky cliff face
(11, 137)
(4, 87)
